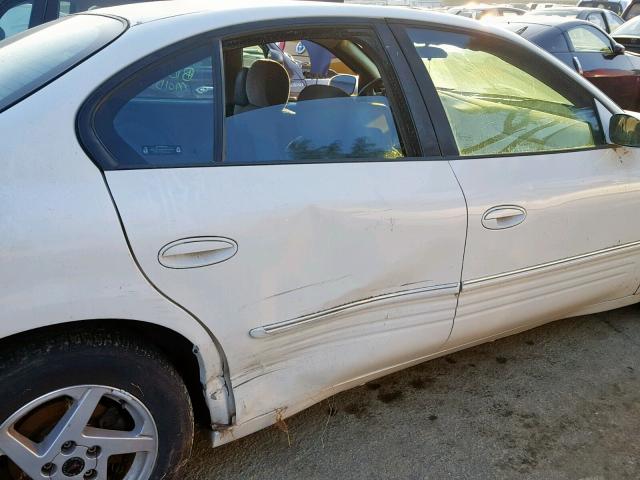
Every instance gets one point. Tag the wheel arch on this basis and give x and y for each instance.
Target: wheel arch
(206, 378)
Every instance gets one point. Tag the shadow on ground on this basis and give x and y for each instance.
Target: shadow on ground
(558, 402)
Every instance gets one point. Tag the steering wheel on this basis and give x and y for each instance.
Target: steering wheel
(370, 87)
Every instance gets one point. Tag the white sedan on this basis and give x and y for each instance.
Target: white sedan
(183, 237)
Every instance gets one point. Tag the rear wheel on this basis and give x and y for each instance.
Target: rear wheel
(91, 406)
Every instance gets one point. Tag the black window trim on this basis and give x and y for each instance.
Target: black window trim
(436, 110)
(410, 113)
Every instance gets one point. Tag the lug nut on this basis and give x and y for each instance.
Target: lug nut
(93, 452)
(48, 469)
(68, 446)
(90, 474)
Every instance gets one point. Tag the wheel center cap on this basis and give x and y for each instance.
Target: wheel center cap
(72, 467)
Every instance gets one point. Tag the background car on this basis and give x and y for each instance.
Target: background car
(603, 18)
(629, 35)
(488, 11)
(588, 50)
(616, 6)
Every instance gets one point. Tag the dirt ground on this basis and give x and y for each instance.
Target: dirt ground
(558, 402)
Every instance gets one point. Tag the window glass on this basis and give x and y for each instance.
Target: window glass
(15, 19)
(251, 54)
(614, 20)
(597, 19)
(499, 99)
(632, 27)
(163, 117)
(587, 39)
(37, 56)
(633, 12)
(326, 116)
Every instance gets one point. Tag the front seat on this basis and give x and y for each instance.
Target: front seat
(315, 92)
(265, 84)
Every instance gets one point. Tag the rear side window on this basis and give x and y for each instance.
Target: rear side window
(163, 116)
(32, 59)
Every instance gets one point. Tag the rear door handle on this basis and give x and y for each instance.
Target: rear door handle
(195, 252)
(503, 216)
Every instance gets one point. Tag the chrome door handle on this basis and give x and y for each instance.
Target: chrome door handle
(578, 65)
(195, 252)
(503, 216)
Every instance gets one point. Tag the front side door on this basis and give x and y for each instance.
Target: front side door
(317, 247)
(611, 73)
(551, 207)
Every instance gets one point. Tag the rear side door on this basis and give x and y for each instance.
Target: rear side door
(612, 73)
(549, 202)
(315, 266)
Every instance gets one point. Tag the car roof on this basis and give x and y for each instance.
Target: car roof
(245, 11)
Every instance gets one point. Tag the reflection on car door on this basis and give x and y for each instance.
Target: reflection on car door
(549, 233)
(613, 74)
(317, 268)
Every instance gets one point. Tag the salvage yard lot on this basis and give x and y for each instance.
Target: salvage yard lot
(558, 402)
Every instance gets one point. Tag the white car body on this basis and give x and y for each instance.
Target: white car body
(344, 272)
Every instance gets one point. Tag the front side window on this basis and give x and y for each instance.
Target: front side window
(503, 100)
(15, 19)
(163, 116)
(295, 106)
(588, 39)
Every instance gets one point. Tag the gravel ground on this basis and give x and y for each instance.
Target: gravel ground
(558, 402)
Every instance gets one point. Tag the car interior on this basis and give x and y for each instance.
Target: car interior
(332, 115)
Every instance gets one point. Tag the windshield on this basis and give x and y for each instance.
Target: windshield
(632, 27)
(36, 57)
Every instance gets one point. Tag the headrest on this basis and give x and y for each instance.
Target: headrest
(315, 92)
(267, 83)
(240, 89)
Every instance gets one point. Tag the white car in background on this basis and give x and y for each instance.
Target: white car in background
(181, 238)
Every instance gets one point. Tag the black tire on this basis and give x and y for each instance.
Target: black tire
(45, 363)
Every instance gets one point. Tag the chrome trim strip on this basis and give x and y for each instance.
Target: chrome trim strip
(604, 251)
(273, 328)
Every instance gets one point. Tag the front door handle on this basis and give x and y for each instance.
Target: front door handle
(578, 65)
(195, 252)
(503, 216)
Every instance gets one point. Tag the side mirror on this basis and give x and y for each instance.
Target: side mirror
(618, 49)
(346, 83)
(624, 129)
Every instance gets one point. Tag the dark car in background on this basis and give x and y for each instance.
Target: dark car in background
(605, 19)
(616, 6)
(590, 51)
(629, 35)
(632, 10)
